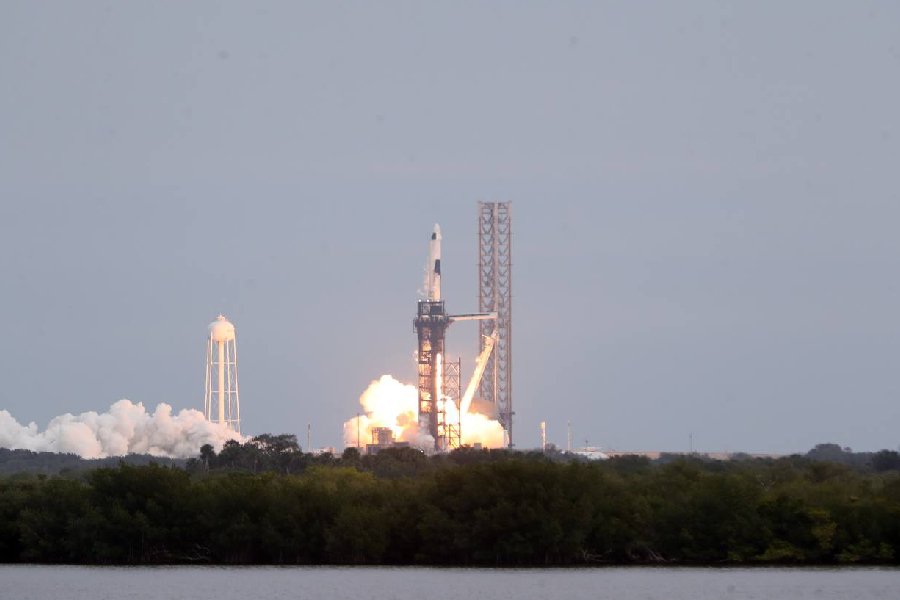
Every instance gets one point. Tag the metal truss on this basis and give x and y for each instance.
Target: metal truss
(449, 418)
(495, 295)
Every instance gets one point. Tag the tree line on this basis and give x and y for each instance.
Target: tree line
(270, 503)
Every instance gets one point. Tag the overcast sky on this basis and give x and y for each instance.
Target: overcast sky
(706, 209)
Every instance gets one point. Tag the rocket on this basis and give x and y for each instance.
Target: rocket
(434, 265)
(431, 325)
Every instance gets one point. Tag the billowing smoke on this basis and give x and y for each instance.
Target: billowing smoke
(126, 428)
(389, 403)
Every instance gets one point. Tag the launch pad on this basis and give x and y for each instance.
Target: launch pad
(440, 403)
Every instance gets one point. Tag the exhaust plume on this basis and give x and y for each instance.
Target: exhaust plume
(389, 403)
(127, 428)
(480, 364)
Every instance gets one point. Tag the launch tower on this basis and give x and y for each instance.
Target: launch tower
(495, 295)
(431, 326)
(438, 379)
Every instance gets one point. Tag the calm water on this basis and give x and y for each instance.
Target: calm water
(328, 583)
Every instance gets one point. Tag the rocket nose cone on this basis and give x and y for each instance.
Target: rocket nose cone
(437, 232)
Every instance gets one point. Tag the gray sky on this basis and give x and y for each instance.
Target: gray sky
(706, 208)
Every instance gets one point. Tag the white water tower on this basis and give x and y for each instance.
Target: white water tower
(222, 404)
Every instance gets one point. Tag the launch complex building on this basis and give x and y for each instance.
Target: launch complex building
(440, 402)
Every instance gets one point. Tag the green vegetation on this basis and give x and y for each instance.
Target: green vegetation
(16, 462)
(268, 502)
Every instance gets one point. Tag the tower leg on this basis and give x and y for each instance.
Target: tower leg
(221, 349)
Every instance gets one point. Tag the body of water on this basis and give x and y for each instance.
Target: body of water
(31, 582)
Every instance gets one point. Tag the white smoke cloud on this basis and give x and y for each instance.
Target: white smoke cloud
(126, 428)
(389, 403)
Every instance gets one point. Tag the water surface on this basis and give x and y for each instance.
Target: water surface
(18, 582)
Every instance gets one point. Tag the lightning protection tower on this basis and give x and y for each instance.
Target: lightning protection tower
(221, 403)
(495, 295)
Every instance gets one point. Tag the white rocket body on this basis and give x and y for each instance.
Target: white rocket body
(434, 264)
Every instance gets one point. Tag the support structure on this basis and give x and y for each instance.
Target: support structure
(431, 326)
(495, 295)
(449, 415)
(438, 380)
(221, 401)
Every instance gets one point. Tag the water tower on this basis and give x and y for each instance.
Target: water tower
(221, 404)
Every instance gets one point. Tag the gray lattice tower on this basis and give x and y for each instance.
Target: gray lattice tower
(495, 294)
(449, 426)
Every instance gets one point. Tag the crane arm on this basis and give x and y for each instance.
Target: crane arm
(473, 317)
